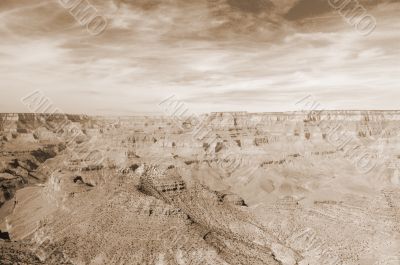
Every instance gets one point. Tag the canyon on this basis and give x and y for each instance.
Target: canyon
(307, 187)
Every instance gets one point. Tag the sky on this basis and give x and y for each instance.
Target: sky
(213, 55)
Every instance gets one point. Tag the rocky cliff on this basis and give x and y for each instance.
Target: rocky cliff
(222, 188)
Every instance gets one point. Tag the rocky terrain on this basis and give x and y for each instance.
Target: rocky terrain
(220, 188)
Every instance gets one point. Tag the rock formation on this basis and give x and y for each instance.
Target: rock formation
(221, 188)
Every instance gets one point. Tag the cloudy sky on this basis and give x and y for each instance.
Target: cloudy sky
(214, 55)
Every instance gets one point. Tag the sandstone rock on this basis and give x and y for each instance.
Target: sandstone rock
(231, 198)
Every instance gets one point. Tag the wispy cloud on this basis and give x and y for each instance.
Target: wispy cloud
(237, 60)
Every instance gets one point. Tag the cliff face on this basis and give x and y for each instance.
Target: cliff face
(229, 144)
(237, 147)
(34, 120)
(167, 131)
(230, 185)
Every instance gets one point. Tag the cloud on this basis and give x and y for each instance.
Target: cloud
(308, 8)
(225, 56)
(313, 8)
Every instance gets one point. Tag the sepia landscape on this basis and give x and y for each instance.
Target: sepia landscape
(259, 188)
(199, 132)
